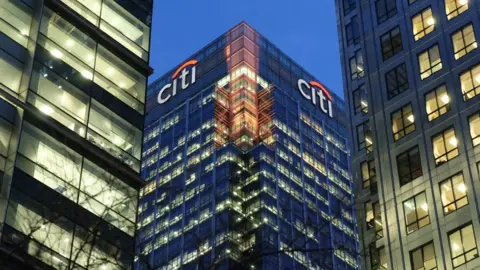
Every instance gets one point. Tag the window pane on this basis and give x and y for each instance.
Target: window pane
(475, 129)
(16, 20)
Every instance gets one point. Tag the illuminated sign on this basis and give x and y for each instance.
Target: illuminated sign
(313, 90)
(182, 73)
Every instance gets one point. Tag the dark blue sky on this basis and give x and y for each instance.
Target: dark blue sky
(304, 29)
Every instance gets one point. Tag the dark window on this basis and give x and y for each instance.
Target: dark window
(352, 31)
(396, 80)
(409, 165)
(411, 1)
(403, 122)
(453, 193)
(437, 102)
(364, 137)
(356, 66)
(445, 146)
(391, 43)
(348, 6)
(416, 212)
(385, 10)
(360, 100)
(369, 175)
(378, 257)
(463, 246)
(423, 258)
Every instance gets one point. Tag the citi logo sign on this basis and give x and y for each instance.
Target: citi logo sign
(180, 79)
(318, 94)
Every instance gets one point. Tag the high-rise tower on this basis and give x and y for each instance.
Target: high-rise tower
(247, 164)
(411, 75)
(73, 79)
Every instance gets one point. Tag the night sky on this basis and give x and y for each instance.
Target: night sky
(304, 29)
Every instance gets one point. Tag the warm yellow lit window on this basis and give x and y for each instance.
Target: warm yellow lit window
(423, 24)
(403, 122)
(474, 122)
(416, 212)
(453, 193)
(463, 246)
(453, 8)
(430, 62)
(437, 102)
(463, 41)
(470, 82)
(445, 146)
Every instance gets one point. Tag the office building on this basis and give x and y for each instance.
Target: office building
(246, 160)
(411, 74)
(72, 92)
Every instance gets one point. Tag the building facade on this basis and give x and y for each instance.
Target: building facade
(411, 75)
(247, 164)
(72, 92)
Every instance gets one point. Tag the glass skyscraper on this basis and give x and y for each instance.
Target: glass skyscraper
(411, 71)
(246, 160)
(72, 92)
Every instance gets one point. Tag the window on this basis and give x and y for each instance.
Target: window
(360, 100)
(5, 132)
(445, 146)
(356, 66)
(423, 24)
(409, 165)
(368, 174)
(352, 31)
(373, 217)
(391, 43)
(474, 121)
(437, 102)
(423, 258)
(462, 245)
(348, 6)
(453, 193)
(463, 41)
(453, 8)
(403, 122)
(378, 258)
(16, 21)
(396, 80)
(416, 212)
(385, 10)
(364, 137)
(430, 62)
(470, 82)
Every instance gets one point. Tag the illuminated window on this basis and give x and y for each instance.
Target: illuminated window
(352, 31)
(453, 8)
(429, 61)
(348, 6)
(416, 212)
(373, 217)
(474, 121)
(385, 10)
(364, 137)
(453, 193)
(403, 122)
(463, 41)
(356, 66)
(437, 102)
(396, 80)
(378, 258)
(409, 165)
(368, 174)
(423, 24)
(391, 43)
(16, 20)
(360, 100)
(423, 257)
(5, 132)
(470, 82)
(445, 146)
(463, 246)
